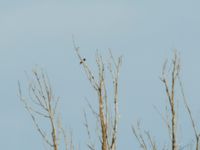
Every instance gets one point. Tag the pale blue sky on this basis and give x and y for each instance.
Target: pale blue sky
(145, 32)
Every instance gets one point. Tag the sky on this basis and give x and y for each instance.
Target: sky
(145, 33)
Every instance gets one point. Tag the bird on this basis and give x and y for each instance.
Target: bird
(84, 59)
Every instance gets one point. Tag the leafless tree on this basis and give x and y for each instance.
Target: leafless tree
(107, 123)
(170, 91)
(41, 104)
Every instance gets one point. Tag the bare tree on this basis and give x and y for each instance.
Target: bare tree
(170, 117)
(41, 104)
(108, 124)
(171, 96)
(144, 139)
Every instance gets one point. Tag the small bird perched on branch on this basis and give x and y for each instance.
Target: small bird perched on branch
(84, 59)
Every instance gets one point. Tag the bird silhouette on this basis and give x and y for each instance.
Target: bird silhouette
(84, 59)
